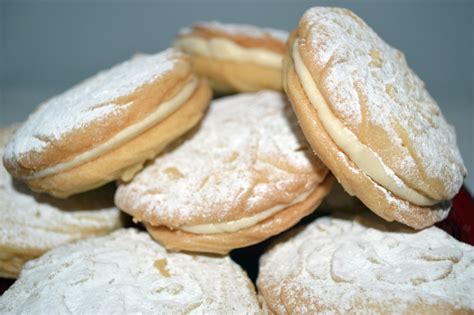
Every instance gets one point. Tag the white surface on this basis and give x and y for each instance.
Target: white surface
(127, 272)
(340, 264)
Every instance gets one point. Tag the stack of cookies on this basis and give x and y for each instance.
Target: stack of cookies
(330, 102)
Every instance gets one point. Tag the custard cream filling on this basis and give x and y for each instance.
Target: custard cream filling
(221, 48)
(365, 158)
(240, 224)
(163, 111)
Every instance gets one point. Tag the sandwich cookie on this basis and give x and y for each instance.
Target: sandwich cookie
(84, 137)
(246, 174)
(235, 58)
(365, 265)
(31, 224)
(127, 272)
(369, 118)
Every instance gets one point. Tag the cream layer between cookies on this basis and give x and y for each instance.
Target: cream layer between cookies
(221, 48)
(240, 224)
(365, 158)
(163, 111)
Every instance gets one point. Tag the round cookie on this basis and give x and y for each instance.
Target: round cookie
(31, 224)
(82, 139)
(235, 57)
(369, 118)
(366, 265)
(246, 174)
(127, 272)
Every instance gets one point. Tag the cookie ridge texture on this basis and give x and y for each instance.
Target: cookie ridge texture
(373, 92)
(126, 272)
(361, 263)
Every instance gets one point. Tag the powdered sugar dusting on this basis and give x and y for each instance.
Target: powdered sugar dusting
(241, 29)
(361, 70)
(339, 263)
(91, 100)
(248, 149)
(127, 272)
(33, 223)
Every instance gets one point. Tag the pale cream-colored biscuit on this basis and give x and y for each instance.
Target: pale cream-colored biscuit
(127, 272)
(82, 138)
(235, 57)
(370, 120)
(365, 265)
(31, 224)
(244, 175)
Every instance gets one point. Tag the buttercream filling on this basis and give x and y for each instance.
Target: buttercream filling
(240, 224)
(365, 158)
(221, 48)
(162, 111)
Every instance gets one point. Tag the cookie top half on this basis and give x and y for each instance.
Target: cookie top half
(361, 263)
(127, 272)
(375, 108)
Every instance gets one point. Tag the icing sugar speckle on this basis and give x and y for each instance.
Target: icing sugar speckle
(91, 100)
(368, 83)
(33, 223)
(248, 150)
(127, 272)
(366, 260)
